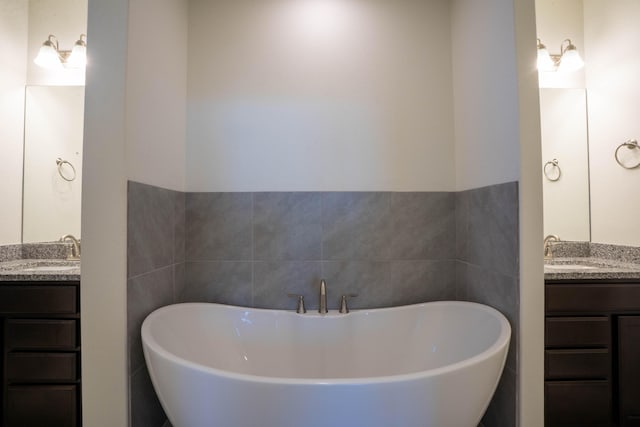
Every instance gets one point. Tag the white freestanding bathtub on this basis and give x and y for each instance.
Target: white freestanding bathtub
(434, 364)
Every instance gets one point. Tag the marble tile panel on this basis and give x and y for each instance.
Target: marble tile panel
(179, 280)
(145, 293)
(219, 226)
(422, 281)
(356, 226)
(370, 280)
(150, 228)
(502, 409)
(501, 292)
(224, 282)
(462, 225)
(146, 410)
(275, 279)
(422, 225)
(287, 226)
(493, 232)
(179, 223)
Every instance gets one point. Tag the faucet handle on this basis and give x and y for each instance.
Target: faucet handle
(300, 309)
(344, 308)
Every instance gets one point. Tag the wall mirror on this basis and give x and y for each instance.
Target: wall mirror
(565, 157)
(586, 115)
(53, 135)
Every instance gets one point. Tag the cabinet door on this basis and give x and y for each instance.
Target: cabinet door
(577, 404)
(629, 369)
(42, 406)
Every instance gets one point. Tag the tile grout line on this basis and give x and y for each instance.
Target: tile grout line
(253, 249)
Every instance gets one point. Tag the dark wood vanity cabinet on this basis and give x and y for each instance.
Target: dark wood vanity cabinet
(592, 353)
(629, 370)
(40, 354)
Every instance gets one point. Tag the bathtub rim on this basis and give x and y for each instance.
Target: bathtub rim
(502, 341)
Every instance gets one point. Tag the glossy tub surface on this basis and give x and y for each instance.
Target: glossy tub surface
(434, 364)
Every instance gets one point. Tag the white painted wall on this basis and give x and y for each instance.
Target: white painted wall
(103, 294)
(134, 129)
(157, 92)
(315, 95)
(54, 117)
(497, 139)
(290, 94)
(65, 19)
(531, 328)
(485, 91)
(612, 40)
(13, 72)
(563, 122)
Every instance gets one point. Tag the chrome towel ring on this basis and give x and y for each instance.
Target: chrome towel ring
(631, 144)
(548, 170)
(67, 177)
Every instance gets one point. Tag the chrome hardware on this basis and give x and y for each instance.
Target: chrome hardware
(547, 245)
(68, 177)
(548, 171)
(300, 309)
(631, 144)
(344, 308)
(75, 249)
(322, 307)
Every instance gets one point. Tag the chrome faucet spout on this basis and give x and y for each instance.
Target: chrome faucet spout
(548, 252)
(322, 307)
(75, 249)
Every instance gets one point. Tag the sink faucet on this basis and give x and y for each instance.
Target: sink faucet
(547, 245)
(322, 308)
(75, 249)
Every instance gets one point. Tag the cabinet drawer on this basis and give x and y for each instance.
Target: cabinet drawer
(591, 298)
(37, 406)
(577, 403)
(577, 331)
(32, 299)
(34, 367)
(40, 334)
(577, 364)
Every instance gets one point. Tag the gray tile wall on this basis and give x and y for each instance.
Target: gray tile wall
(251, 249)
(487, 271)
(155, 266)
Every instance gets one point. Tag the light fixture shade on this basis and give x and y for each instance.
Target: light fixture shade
(78, 57)
(48, 56)
(571, 61)
(545, 63)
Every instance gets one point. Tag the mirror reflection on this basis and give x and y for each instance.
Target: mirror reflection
(607, 37)
(563, 125)
(52, 162)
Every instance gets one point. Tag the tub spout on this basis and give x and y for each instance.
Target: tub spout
(322, 308)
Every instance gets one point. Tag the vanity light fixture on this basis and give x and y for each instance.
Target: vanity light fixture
(50, 56)
(567, 61)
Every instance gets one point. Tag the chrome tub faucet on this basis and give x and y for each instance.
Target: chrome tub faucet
(322, 307)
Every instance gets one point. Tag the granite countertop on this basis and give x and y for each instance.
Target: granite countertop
(589, 267)
(56, 270)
